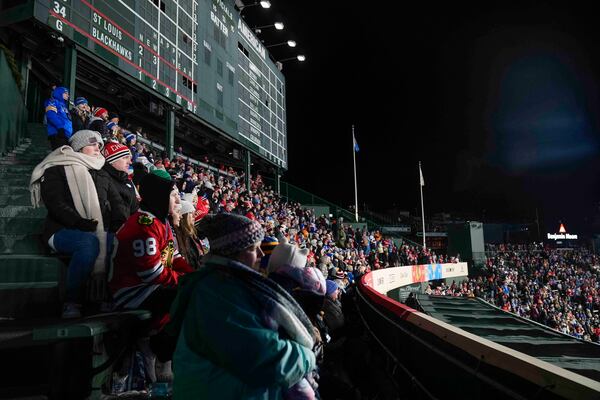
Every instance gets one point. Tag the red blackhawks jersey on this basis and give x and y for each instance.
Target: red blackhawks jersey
(145, 259)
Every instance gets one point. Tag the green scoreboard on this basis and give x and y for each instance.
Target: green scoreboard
(197, 53)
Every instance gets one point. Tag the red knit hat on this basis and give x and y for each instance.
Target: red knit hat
(99, 111)
(113, 151)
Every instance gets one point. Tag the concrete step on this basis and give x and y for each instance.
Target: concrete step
(22, 169)
(14, 190)
(23, 211)
(7, 200)
(18, 180)
(31, 286)
(21, 225)
(31, 244)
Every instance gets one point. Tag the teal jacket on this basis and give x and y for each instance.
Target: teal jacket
(224, 350)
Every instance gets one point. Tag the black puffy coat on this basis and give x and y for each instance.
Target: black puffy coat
(61, 208)
(124, 186)
(333, 315)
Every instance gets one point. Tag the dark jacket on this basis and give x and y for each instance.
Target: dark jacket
(78, 122)
(333, 315)
(61, 209)
(99, 125)
(124, 186)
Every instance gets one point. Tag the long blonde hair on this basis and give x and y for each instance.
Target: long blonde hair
(184, 232)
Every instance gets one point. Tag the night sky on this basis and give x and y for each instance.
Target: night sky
(499, 102)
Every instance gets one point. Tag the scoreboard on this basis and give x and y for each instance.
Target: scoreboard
(196, 53)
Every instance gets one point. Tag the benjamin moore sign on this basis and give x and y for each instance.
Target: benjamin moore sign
(561, 236)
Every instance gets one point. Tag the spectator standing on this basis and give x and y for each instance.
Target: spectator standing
(58, 118)
(98, 121)
(228, 314)
(82, 205)
(80, 114)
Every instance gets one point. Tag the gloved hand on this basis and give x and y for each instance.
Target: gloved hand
(98, 288)
(86, 225)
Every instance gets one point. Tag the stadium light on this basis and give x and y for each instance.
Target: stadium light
(299, 57)
(277, 25)
(263, 4)
(291, 43)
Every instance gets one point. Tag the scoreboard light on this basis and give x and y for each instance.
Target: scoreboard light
(198, 54)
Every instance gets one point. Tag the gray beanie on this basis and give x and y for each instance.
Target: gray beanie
(85, 137)
(229, 234)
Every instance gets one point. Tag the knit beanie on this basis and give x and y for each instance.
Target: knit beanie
(187, 207)
(80, 100)
(267, 246)
(100, 111)
(111, 125)
(229, 234)
(155, 190)
(331, 287)
(85, 137)
(113, 151)
(129, 137)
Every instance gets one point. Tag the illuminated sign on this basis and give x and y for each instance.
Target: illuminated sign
(562, 235)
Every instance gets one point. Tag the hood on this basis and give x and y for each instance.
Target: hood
(57, 94)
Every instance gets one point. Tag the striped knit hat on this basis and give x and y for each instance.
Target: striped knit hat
(113, 151)
(267, 246)
(229, 234)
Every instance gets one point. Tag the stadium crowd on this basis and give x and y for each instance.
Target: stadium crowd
(557, 288)
(167, 233)
(243, 285)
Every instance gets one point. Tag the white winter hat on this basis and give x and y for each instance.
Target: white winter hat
(186, 207)
(287, 254)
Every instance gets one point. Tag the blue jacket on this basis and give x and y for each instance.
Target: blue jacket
(228, 352)
(57, 113)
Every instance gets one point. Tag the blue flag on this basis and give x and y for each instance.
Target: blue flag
(356, 149)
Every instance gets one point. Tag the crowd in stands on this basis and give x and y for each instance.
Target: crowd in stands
(241, 284)
(555, 287)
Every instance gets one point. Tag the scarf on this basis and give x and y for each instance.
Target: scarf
(82, 188)
(279, 309)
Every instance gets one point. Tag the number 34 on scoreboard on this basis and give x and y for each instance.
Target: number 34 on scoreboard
(61, 10)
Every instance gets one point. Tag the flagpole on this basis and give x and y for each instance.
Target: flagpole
(355, 184)
(422, 207)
